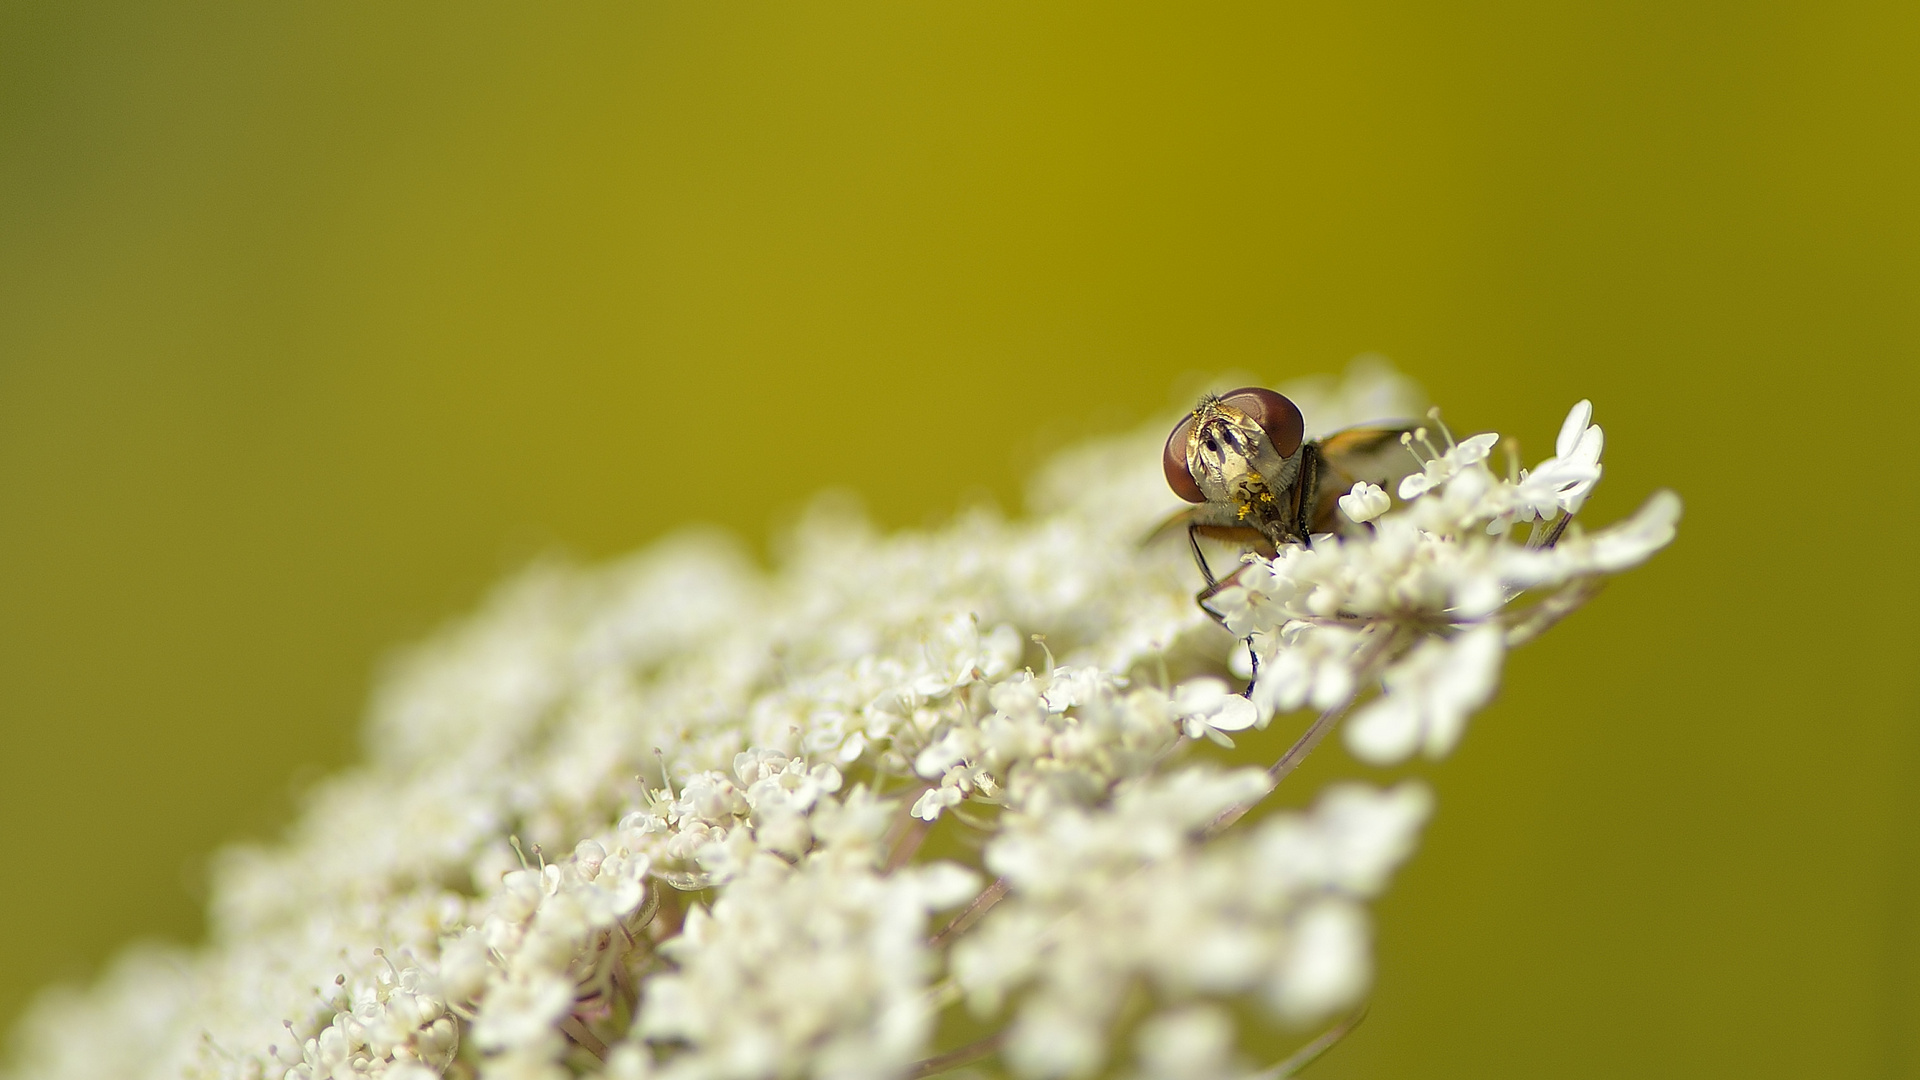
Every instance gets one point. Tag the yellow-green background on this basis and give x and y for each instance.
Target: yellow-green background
(317, 318)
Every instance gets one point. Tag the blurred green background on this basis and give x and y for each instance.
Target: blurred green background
(315, 319)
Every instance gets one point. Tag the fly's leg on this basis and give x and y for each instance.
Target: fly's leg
(1206, 594)
(1559, 527)
(1214, 585)
(1200, 560)
(1307, 487)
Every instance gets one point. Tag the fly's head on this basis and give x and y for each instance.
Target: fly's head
(1238, 453)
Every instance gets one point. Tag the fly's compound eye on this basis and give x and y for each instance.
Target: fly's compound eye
(1174, 460)
(1277, 416)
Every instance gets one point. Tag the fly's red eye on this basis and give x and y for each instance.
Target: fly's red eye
(1174, 460)
(1277, 416)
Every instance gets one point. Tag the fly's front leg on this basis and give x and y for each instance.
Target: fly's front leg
(1214, 585)
(1200, 560)
(1213, 588)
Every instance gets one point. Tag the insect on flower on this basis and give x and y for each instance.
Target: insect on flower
(1260, 484)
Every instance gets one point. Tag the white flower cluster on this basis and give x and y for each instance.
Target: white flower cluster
(1427, 602)
(821, 968)
(1102, 899)
(741, 769)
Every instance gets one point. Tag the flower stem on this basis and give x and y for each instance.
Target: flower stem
(1278, 771)
(969, 915)
(1311, 1052)
(907, 843)
(953, 1059)
(1538, 619)
(1305, 744)
(588, 1041)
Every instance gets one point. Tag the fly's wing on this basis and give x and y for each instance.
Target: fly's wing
(1220, 546)
(1371, 452)
(1238, 537)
